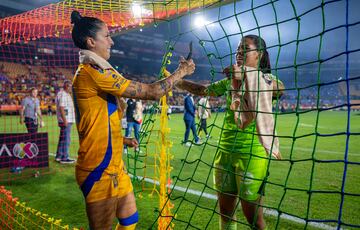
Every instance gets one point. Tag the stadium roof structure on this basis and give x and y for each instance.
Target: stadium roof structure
(53, 20)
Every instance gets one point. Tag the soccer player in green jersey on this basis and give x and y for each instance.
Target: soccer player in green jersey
(248, 139)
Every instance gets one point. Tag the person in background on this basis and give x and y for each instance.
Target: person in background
(134, 116)
(138, 113)
(97, 91)
(247, 142)
(30, 112)
(189, 119)
(131, 122)
(65, 113)
(204, 112)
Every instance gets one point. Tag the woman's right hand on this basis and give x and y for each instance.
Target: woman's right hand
(187, 66)
(130, 142)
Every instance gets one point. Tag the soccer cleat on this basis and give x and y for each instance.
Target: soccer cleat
(199, 142)
(58, 159)
(138, 150)
(16, 169)
(67, 161)
(188, 144)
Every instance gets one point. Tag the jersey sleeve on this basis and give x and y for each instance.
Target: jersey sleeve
(108, 80)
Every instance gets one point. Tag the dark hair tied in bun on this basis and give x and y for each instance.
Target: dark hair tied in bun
(75, 17)
(84, 28)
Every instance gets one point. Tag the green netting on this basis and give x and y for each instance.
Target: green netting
(314, 50)
(314, 183)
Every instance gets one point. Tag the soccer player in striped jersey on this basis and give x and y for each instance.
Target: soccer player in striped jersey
(98, 90)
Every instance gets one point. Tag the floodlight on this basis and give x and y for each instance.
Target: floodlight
(136, 10)
(200, 21)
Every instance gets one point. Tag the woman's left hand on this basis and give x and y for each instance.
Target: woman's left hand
(277, 156)
(130, 142)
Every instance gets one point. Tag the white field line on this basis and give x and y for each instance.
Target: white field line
(267, 211)
(307, 125)
(319, 151)
(289, 147)
(310, 125)
(319, 126)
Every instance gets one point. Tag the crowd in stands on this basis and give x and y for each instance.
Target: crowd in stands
(327, 97)
(16, 79)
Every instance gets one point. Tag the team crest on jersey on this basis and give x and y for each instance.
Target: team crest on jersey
(119, 83)
(268, 78)
(116, 85)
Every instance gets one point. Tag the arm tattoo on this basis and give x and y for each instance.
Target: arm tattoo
(139, 88)
(151, 91)
(131, 90)
(193, 88)
(166, 85)
(163, 85)
(169, 82)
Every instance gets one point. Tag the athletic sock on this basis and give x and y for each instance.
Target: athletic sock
(129, 227)
(230, 225)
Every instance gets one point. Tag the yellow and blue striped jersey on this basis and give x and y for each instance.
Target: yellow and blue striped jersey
(98, 119)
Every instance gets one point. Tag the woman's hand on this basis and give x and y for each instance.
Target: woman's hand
(235, 104)
(130, 142)
(187, 66)
(278, 89)
(277, 156)
(236, 74)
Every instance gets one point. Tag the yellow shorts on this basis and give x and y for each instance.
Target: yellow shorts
(100, 185)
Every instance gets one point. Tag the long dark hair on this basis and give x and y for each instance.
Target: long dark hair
(260, 44)
(83, 28)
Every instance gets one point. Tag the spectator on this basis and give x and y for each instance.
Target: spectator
(31, 111)
(204, 112)
(138, 114)
(133, 119)
(66, 118)
(189, 119)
